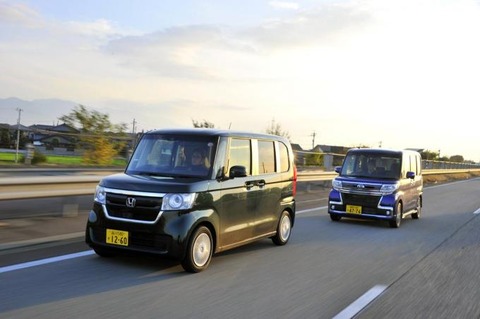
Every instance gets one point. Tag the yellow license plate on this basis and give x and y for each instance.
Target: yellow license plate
(352, 209)
(117, 237)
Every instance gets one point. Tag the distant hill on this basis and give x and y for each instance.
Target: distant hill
(43, 111)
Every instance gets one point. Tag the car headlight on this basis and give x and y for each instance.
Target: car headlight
(336, 184)
(100, 195)
(178, 201)
(388, 188)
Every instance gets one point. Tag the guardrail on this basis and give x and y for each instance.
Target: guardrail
(12, 188)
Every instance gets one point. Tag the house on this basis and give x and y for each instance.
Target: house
(50, 137)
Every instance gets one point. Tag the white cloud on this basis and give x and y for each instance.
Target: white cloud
(19, 14)
(284, 5)
(100, 28)
(373, 66)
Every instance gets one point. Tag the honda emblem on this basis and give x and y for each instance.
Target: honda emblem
(130, 202)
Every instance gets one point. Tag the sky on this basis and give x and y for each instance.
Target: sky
(395, 74)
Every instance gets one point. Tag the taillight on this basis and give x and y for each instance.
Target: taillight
(294, 190)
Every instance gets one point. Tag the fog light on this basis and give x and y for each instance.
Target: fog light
(332, 207)
(388, 213)
(92, 217)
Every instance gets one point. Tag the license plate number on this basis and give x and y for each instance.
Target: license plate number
(117, 237)
(353, 209)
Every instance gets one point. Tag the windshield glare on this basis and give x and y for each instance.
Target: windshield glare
(372, 165)
(168, 155)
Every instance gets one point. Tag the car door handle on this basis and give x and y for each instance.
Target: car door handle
(249, 184)
(261, 183)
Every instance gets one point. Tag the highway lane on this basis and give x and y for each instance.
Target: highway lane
(325, 268)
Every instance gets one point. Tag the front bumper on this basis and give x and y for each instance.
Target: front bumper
(372, 207)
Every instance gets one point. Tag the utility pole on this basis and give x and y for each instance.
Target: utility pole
(133, 126)
(313, 139)
(18, 133)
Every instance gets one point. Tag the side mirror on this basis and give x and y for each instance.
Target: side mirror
(338, 169)
(237, 171)
(411, 175)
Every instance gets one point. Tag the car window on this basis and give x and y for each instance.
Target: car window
(266, 157)
(240, 154)
(284, 161)
(369, 164)
(170, 155)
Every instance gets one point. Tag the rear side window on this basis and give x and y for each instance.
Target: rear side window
(266, 157)
(284, 160)
(240, 154)
(419, 165)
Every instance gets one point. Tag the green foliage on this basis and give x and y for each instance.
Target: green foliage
(276, 129)
(457, 159)
(429, 155)
(314, 159)
(204, 124)
(38, 158)
(5, 139)
(102, 140)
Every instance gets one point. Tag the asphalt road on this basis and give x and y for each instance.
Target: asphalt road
(428, 268)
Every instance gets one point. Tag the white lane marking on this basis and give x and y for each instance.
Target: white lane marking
(361, 302)
(88, 252)
(310, 210)
(313, 200)
(476, 212)
(45, 261)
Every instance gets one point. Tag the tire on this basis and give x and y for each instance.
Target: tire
(398, 216)
(418, 213)
(335, 217)
(284, 229)
(199, 251)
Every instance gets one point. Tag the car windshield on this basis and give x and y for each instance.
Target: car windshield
(173, 156)
(372, 165)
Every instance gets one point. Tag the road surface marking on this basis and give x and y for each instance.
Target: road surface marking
(310, 210)
(45, 261)
(361, 302)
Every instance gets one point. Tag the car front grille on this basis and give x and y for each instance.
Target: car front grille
(144, 208)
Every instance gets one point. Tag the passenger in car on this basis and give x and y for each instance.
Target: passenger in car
(371, 167)
(394, 170)
(199, 161)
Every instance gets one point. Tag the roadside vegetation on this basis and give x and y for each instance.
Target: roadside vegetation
(8, 160)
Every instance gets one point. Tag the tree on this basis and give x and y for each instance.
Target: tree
(429, 155)
(102, 139)
(276, 129)
(204, 124)
(5, 139)
(457, 159)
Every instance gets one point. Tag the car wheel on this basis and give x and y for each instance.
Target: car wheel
(335, 217)
(199, 251)
(398, 216)
(418, 213)
(284, 229)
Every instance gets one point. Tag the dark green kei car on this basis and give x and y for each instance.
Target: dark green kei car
(189, 193)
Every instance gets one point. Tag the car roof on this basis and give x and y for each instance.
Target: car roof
(380, 151)
(216, 132)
